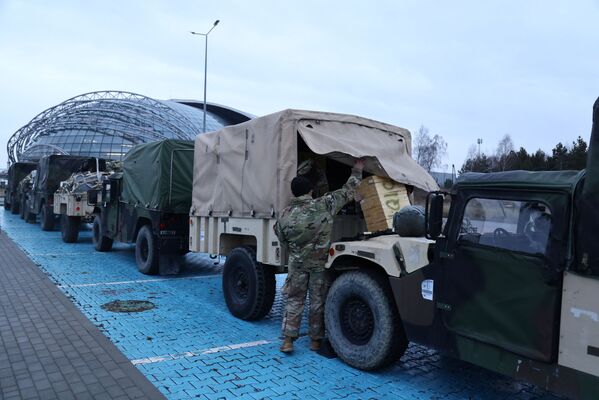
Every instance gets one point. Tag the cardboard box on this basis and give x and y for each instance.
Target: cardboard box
(381, 199)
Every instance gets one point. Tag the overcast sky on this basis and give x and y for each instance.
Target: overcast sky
(464, 69)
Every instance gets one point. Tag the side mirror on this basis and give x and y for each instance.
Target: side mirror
(433, 218)
(106, 189)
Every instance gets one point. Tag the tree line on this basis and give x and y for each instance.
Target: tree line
(506, 158)
(429, 151)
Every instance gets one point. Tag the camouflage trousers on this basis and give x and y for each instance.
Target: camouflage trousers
(299, 281)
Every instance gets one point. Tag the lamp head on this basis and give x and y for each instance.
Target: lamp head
(216, 22)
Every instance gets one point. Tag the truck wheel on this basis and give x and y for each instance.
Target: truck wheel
(101, 242)
(69, 228)
(248, 286)
(46, 218)
(22, 209)
(14, 208)
(362, 321)
(147, 254)
(28, 215)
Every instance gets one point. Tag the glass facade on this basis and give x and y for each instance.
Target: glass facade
(108, 124)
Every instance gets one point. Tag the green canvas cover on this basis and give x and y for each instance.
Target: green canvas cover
(17, 172)
(158, 176)
(56, 168)
(561, 180)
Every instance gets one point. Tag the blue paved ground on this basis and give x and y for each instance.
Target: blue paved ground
(190, 346)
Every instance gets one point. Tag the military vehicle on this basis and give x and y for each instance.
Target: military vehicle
(16, 172)
(509, 280)
(241, 182)
(51, 170)
(76, 199)
(148, 204)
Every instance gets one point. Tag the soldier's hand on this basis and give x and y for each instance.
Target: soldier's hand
(359, 164)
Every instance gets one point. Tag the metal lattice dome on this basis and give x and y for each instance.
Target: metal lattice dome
(108, 123)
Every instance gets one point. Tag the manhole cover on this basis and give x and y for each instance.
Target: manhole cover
(128, 306)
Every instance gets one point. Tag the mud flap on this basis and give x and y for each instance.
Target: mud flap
(169, 264)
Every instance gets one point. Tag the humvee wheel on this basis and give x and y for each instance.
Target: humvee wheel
(46, 218)
(14, 208)
(22, 209)
(69, 228)
(146, 251)
(101, 243)
(362, 321)
(248, 286)
(28, 216)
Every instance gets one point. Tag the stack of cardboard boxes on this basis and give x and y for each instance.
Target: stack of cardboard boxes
(381, 199)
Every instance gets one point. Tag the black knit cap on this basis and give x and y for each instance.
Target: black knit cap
(300, 186)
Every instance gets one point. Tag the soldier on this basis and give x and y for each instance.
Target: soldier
(305, 228)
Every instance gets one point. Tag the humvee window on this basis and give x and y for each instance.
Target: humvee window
(507, 224)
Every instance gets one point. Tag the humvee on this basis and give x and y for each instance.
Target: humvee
(76, 199)
(51, 170)
(508, 280)
(16, 172)
(147, 204)
(241, 182)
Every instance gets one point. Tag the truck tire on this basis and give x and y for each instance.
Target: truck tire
(14, 208)
(248, 286)
(69, 228)
(147, 253)
(101, 242)
(22, 209)
(47, 218)
(28, 216)
(362, 321)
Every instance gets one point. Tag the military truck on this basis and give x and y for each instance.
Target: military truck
(508, 280)
(148, 204)
(16, 172)
(241, 182)
(76, 199)
(51, 170)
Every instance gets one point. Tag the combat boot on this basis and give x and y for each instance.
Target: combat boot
(315, 344)
(287, 346)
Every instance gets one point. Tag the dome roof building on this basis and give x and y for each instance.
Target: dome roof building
(107, 124)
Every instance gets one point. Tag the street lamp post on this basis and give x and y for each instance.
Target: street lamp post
(205, 65)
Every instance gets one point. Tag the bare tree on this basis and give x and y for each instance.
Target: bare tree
(503, 154)
(429, 150)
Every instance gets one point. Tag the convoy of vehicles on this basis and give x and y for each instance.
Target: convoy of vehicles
(506, 279)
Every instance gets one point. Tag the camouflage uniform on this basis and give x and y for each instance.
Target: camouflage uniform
(305, 228)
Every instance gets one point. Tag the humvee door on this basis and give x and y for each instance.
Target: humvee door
(502, 279)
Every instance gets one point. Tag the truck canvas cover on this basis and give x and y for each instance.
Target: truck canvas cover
(17, 172)
(246, 169)
(55, 168)
(158, 175)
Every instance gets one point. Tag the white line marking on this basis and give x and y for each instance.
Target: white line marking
(137, 281)
(187, 354)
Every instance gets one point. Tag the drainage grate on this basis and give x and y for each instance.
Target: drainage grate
(127, 306)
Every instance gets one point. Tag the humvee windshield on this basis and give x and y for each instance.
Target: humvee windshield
(508, 224)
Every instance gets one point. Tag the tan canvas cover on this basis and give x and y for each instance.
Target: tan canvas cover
(246, 169)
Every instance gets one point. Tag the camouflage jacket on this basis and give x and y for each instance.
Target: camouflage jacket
(305, 226)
